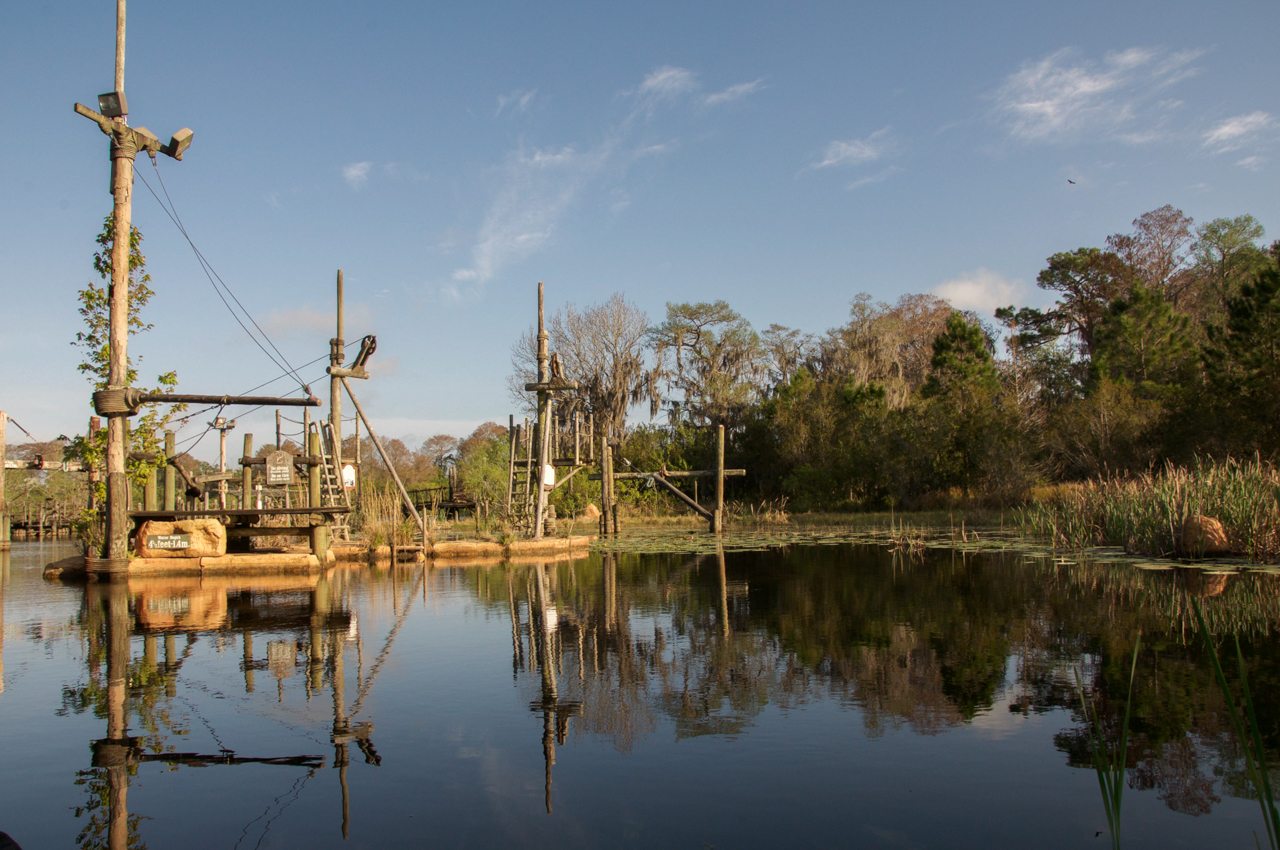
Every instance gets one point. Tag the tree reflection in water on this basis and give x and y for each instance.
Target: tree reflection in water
(707, 642)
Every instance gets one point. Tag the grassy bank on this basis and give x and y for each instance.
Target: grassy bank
(1147, 514)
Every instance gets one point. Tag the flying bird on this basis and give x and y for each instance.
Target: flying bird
(1072, 182)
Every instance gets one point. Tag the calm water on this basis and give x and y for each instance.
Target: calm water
(820, 696)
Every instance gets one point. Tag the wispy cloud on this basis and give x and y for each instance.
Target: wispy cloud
(1063, 96)
(1251, 163)
(732, 93)
(870, 179)
(538, 186)
(303, 321)
(516, 101)
(981, 290)
(1238, 132)
(855, 151)
(668, 82)
(357, 173)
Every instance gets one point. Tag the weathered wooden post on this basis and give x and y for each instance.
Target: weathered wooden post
(606, 479)
(149, 498)
(320, 532)
(717, 520)
(4, 508)
(544, 421)
(336, 346)
(511, 460)
(246, 474)
(170, 475)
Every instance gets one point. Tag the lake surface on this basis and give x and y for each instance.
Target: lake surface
(810, 696)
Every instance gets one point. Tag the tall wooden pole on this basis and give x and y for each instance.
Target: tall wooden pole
(335, 389)
(717, 522)
(544, 420)
(123, 151)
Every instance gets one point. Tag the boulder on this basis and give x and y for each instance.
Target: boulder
(186, 538)
(1204, 535)
(590, 513)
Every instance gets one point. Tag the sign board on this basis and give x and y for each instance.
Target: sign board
(169, 541)
(348, 476)
(279, 468)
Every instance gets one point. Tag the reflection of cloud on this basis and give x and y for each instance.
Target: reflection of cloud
(1064, 96)
(981, 290)
(855, 151)
(1234, 133)
(356, 173)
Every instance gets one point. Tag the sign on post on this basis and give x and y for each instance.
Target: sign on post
(279, 468)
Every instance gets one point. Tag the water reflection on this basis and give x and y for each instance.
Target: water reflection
(771, 662)
(145, 689)
(928, 645)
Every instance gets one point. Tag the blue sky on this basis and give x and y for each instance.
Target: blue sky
(783, 157)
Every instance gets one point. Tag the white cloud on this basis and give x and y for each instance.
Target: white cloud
(1252, 163)
(516, 101)
(855, 151)
(1062, 96)
(732, 93)
(357, 173)
(1235, 133)
(981, 290)
(668, 81)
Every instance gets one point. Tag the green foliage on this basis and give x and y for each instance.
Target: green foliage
(145, 430)
(1243, 363)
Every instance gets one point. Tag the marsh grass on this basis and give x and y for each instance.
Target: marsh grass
(1144, 514)
(1244, 722)
(1109, 760)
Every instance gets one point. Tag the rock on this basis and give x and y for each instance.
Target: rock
(1204, 535)
(590, 513)
(186, 538)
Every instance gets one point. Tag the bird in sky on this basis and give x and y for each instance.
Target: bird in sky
(1072, 182)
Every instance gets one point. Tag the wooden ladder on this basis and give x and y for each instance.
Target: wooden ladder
(332, 493)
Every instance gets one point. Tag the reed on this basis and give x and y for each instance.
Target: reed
(1109, 761)
(1145, 513)
(1243, 717)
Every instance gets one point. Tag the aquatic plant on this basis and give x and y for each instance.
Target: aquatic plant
(1145, 514)
(1109, 761)
(1243, 717)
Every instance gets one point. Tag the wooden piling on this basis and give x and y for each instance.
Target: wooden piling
(319, 533)
(246, 474)
(717, 520)
(170, 474)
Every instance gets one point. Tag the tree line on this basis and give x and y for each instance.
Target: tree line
(1162, 344)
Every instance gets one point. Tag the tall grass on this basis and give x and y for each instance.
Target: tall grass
(1109, 761)
(1145, 513)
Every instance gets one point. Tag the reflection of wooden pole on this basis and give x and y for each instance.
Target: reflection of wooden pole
(724, 593)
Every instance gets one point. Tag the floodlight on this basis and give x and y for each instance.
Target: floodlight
(113, 104)
(180, 142)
